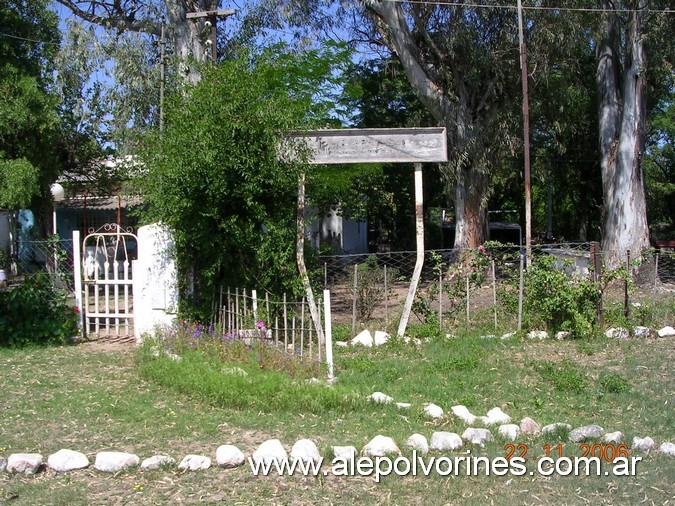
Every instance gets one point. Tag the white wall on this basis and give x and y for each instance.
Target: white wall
(155, 280)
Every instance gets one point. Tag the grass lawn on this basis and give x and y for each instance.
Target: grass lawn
(93, 399)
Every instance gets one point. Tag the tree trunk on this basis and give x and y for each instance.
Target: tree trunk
(471, 216)
(621, 129)
(189, 36)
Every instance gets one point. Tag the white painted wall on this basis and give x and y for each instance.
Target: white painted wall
(155, 280)
(349, 236)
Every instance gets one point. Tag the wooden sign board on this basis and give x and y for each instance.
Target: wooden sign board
(376, 145)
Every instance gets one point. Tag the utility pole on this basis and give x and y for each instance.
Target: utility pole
(211, 22)
(162, 75)
(526, 136)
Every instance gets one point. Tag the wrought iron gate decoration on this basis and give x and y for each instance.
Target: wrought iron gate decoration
(107, 304)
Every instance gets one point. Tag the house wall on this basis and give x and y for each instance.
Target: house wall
(345, 236)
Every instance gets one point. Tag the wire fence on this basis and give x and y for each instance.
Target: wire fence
(460, 286)
(51, 257)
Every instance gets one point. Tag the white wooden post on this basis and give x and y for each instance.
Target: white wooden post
(254, 296)
(77, 277)
(419, 232)
(328, 333)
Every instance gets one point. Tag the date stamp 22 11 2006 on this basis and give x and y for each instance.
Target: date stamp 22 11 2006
(607, 452)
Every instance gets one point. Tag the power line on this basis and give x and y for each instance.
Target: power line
(532, 8)
(2, 34)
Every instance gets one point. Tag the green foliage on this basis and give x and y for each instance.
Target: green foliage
(558, 300)
(36, 313)
(29, 124)
(614, 383)
(370, 292)
(230, 371)
(214, 176)
(564, 376)
(19, 182)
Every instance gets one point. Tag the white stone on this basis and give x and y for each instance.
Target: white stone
(342, 344)
(347, 453)
(510, 431)
(67, 460)
(403, 405)
(508, 335)
(433, 411)
(497, 417)
(380, 398)
(477, 436)
(364, 338)
(484, 420)
(305, 450)
(269, 451)
(529, 427)
(380, 446)
(644, 444)
(463, 413)
(234, 371)
(3, 465)
(642, 331)
(581, 434)
(156, 462)
(194, 463)
(553, 427)
(229, 456)
(537, 334)
(381, 338)
(418, 442)
(666, 332)
(617, 333)
(112, 462)
(667, 448)
(24, 463)
(563, 334)
(443, 441)
(613, 437)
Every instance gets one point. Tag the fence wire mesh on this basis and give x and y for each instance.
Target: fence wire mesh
(51, 257)
(458, 286)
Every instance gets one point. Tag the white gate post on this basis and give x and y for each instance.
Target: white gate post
(77, 277)
(328, 333)
(419, 262)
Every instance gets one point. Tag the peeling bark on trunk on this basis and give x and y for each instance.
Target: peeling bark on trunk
(621, 130)
(471, 216)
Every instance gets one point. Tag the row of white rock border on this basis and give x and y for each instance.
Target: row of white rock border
(365, 338)
(229, 456)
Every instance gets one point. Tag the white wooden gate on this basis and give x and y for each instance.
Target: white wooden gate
(107, 296)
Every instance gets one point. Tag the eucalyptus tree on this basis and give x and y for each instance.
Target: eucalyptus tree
(189, 36)
(627, 28)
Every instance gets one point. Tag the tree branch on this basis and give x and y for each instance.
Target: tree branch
(115, 17)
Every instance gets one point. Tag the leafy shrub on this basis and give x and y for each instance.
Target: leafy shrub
(370, 290)
(613, 383)
(36, 313)
(558, 300)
